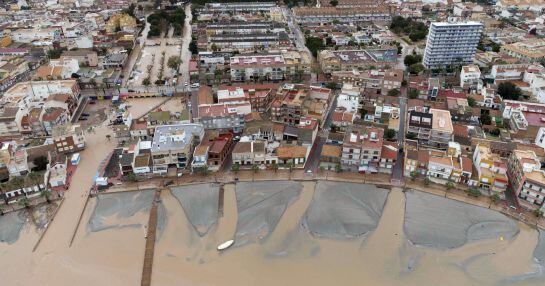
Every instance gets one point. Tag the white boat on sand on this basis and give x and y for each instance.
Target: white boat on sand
(225, 245)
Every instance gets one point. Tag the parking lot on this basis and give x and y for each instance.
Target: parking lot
(152, 62)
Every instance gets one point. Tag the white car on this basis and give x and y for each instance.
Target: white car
(195, 85)
(185, 83)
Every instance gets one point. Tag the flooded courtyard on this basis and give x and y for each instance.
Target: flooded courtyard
(286, 233)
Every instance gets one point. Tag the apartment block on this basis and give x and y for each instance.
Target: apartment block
(452, 44)
(491, 171)
(173, 146)
(361, 149)
(343, 15)
(527, 178)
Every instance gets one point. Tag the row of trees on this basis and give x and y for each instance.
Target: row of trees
(18, 183)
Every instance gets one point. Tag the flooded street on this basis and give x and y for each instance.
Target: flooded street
(370, 244)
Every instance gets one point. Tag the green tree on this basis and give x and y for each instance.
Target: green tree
(40, 163)
(255, 168)
(390, 133)
(108, 137)
(413, 175)
(274, 166)
(235, 168)
(486, 119)
(416, 68)
(2, 208)
(146, 81)
(393, 92)
(449, 185)
(507, 90)
(17, 182)
(334, 3)
(36, 178)
(495, 198)
(338, 168)
(410, 60)
(331, 85)
(24, 202)
(314, 44)
(131, 177)
(413, 93)
(473, 192)
(427, 181)
(174, 62)
(471, 101)
(45, 193)
(411, 136)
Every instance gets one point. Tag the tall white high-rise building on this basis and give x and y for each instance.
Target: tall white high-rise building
(452, 44)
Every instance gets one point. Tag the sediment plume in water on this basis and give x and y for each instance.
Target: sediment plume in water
(344, 210)
(439, 222)
(260, 206)
(120, 205)
(200, 204)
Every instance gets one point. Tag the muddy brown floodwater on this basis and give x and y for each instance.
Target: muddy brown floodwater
(292, 244)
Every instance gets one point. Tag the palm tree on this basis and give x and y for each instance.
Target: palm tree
(235, 168)
(17, 182)
(46, 194)
(35, 177)
(108, 136)
(24, 202)
(255, 168)
(290, 168)
(274, 166)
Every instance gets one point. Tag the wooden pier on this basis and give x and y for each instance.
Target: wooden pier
(150, 242)
(221, 195)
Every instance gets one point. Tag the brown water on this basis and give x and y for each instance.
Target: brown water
(290, 256)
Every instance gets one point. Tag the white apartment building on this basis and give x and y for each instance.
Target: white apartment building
(452, 44)
(470, 76)
(349, 98)
(173, 145)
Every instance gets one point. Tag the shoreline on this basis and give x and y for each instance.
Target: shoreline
(380, 184)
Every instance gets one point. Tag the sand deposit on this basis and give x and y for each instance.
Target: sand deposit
(344, 210)
(439, 222)
(119, 206)
(200, 203)
(260, 206)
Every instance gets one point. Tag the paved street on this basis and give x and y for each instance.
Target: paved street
(313, 162)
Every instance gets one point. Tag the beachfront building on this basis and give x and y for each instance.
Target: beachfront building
(173, 145)
(491, 173)
(432, 128)
(527, 178)
(452, 44)
(361, 149)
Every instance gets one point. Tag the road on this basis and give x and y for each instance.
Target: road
(129, 66)
(185, 54)
(294, 28)
(313, 162)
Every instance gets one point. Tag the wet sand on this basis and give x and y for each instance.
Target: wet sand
(290, 255)
(344, 210)
(439, 222)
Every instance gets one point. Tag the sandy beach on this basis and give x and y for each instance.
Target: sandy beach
(109, 246)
